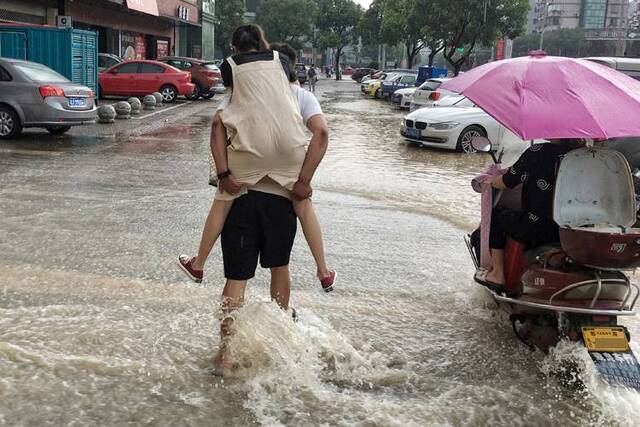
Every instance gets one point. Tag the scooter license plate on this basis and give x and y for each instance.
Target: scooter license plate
(605, 339)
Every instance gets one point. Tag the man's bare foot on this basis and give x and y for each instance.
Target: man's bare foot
(221, 364)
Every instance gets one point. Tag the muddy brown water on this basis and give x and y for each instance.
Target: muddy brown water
(98, 327)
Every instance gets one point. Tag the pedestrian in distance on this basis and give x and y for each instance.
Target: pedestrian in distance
(312, 77)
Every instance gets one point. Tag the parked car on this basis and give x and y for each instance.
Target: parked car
(347, 71)
(360, 73)
(455, 100)
(453, 128)
(628, 66)
(204, 74)
(33, 95)
(301, 73)
(107, 60)
(364, 84)
(402, 97)
(428, 92)
(142, 77)
(388, 87)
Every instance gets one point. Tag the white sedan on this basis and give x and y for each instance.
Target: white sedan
(453, 128)
(402, 97)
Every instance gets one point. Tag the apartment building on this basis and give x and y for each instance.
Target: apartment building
(550, 15)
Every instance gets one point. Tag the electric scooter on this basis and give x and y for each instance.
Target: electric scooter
(576, 289)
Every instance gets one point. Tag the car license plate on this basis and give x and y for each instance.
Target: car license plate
(77, 102)
(412, 133)
(601, 339)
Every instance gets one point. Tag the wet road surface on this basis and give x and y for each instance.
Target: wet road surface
(98, 326)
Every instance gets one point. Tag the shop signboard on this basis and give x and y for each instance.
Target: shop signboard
(141, 47)
(145, 6)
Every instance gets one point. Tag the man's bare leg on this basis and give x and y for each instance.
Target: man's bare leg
(212, 229)
(232, 300)
(281, 286)
(313, 234)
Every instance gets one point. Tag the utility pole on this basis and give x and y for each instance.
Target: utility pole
(544, 23)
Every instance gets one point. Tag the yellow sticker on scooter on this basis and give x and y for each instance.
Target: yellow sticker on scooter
(605, 339)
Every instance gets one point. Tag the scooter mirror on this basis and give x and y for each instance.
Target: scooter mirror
(481, 143)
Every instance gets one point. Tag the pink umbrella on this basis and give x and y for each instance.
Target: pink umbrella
(548, 97)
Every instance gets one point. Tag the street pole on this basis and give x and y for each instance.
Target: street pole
(544, 24)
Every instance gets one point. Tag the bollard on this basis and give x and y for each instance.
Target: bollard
(123, 110)
(106, 114)
(158, 97)
(149, 102)
(136, 105)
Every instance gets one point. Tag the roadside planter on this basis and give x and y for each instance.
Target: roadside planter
(158, 97)
(136, 105)
(106, 114)
(123, 109)
(149, 102)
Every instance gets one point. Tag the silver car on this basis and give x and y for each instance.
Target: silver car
(33, 95)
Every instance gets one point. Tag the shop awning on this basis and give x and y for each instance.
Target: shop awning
(146, 6)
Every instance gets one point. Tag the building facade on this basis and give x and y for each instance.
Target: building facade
(550, 15)
(142, 29)
(208, 21)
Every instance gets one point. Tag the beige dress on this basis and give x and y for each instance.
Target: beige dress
(264, 126)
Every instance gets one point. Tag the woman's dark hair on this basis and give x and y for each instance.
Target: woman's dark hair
(249, 37)
(286, 50)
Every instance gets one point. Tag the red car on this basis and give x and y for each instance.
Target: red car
(142, 77)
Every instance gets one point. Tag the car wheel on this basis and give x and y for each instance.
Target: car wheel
(58, 130)
(378, 94)
(208, 95)
(197, 92)
(466, 136)
(169, 93)
(10, 125)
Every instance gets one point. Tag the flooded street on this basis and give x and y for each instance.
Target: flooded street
(99, 327)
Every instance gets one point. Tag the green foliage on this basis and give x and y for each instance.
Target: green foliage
(564, 42)
(370, 23)
(472, 23)
(289, 21)
(337, 22)
(229, 16)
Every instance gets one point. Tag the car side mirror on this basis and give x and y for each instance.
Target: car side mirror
(481, 144)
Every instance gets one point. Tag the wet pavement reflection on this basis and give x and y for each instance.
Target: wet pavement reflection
(98, 326)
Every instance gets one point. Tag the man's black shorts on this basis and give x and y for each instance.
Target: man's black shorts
(259, 224)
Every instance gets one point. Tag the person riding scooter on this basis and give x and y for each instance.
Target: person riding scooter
(536, 170)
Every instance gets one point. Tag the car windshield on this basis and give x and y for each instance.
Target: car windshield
(430, 85)
(40, 73)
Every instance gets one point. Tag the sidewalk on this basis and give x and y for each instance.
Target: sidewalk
(147, 121)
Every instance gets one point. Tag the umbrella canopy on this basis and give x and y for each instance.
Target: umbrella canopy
(545, 97)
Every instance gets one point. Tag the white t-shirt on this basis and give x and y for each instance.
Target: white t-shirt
(307, 102)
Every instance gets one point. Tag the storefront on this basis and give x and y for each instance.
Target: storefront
(184, 16)
(38, 12)
(208, 20)
(131, 29)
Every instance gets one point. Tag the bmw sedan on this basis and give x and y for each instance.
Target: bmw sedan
(33, 95)
(453, 128)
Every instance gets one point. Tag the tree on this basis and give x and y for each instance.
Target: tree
(229, 16)
(476, 22)
(289, 21)
(403, 22)
(370, 22)
(564, 42)
(337, 23)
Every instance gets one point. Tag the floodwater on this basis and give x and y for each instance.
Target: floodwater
(98, 327)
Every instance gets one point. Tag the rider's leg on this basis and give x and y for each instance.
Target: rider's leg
(212, 229)
(313, 234)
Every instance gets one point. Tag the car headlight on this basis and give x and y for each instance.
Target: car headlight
(444, 125)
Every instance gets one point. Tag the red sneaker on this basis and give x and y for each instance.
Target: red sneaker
(328, 282)
(186, 264)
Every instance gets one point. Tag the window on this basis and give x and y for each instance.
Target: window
(4, 75)
(175, 63)
(430, 85)
(39, 72)
(408, 79)
(128, 68)
(151, 68)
